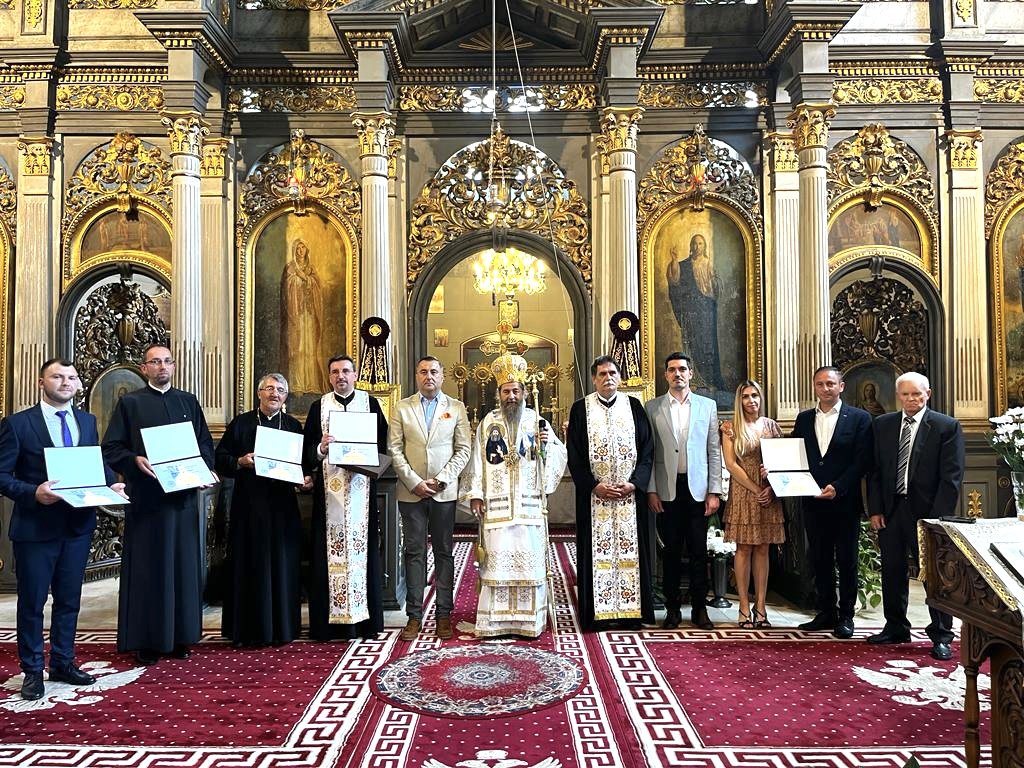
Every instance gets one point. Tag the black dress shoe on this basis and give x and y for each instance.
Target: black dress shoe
(32, 686)
(700, 619)
(844, 629)
(818, 623)
(181, 652)
(147, 657)
(942, 651)
(673, 618)
(885, 637)
(71, 674)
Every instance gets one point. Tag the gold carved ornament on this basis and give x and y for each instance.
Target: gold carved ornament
(374, 132)
(111, 98)
(33, 13)
(965, 9)
(874, 162)
(8, 205)
(11, 97)
(809, 123)
(1004, 183)
(963, 149)
(126, 167)
(111, 4)
(719, 95)
(620, 126)
(567, 97)
(916, 90)
(186, 132)
(781, 148)
(542, 201)
(297, 99)
(698, 167)
(999, 90)
(36, 155)
(215, 152)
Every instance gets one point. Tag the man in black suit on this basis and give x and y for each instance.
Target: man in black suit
(838, 441)
(919, 468)
(51, 538)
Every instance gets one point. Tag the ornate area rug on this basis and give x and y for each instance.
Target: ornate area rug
(486, 680)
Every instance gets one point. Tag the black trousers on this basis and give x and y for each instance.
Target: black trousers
(833, 537)
(898, 540)
(683, 527)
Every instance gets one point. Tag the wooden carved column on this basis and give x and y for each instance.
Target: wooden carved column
(970, 364)
(619, 274)
(186, 131)
(810, 128)
(783, 209)
(375, 131)
(36, 271)
(218, 285)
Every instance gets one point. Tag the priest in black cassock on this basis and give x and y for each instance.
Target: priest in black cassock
(160, 605)
(611, 454)
(262, 603)
(345, 600)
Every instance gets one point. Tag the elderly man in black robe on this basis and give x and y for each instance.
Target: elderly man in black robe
(160, 606)
(611, 454)
(262, 603)
(346, 577)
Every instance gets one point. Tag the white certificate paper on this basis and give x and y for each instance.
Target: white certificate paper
(173, 454)
(278, 455)
(81, 481)
(785, 458)
(355, 438)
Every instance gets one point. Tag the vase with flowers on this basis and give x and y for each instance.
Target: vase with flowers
(1007, 439)
(719, 552)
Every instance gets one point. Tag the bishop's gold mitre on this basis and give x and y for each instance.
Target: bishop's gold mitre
(508, 368)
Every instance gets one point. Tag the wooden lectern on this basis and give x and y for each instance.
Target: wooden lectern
(991, 630)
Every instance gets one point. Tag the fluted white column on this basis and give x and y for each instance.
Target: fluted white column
(970, 363)
(622, 286)
(186, 131)
(36, 270)
(218, 283)
(783, 209)
(810, 126)
(375, 131)
(601, 248)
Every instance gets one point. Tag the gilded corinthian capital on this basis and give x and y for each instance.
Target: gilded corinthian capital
(619, 126)
(186, 131)
(781, 149)
(963, 148)
(375, 131)
(810, 124)
(36, 155)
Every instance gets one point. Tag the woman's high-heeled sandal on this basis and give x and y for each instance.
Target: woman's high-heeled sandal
(761, 620)
(745, 621)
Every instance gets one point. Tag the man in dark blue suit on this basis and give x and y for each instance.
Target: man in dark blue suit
(918, 471)
(51, 538)
(838, 439)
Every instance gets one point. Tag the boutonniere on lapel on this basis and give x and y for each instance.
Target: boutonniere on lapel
(446, 415)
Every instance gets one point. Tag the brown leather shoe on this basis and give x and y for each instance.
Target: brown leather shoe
(444, 628)
(411, 630)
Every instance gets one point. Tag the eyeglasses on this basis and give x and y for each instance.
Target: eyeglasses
(279, 390)
(158, 360)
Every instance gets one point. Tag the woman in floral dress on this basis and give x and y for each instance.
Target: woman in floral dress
(753, 517)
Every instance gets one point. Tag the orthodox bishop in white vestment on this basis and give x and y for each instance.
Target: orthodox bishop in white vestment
(515, 463)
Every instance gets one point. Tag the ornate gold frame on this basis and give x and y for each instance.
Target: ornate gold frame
(6, 247)
(244, 298)
(1005, 215)
(74, 267)
(751, 234)
(926, 227)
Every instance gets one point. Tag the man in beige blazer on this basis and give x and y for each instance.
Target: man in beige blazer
(429, 443)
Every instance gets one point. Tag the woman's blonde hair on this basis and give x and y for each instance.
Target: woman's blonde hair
(747, 437)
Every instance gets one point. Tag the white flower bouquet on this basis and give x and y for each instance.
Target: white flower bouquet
(717, 545)
(1007, 437)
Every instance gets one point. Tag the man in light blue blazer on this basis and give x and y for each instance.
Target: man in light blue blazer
(685, 485)
(51, 538)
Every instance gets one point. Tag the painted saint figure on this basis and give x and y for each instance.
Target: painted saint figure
(693, 290)
(302, 313)
(869, 400)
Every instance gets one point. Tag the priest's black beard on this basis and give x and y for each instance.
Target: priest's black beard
(513, 414)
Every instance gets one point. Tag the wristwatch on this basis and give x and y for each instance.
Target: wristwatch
(441, 484)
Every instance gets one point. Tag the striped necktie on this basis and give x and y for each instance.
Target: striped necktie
(903, 457)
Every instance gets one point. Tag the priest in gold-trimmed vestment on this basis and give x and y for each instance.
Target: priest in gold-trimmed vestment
(345, 590)
(611, 454)
(516, 461)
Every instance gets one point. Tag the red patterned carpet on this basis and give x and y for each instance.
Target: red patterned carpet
(653, 698)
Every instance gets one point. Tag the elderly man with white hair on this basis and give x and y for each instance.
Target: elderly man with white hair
(919, 465)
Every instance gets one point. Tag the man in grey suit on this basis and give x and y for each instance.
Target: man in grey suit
(685, 485)
(429, 443)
